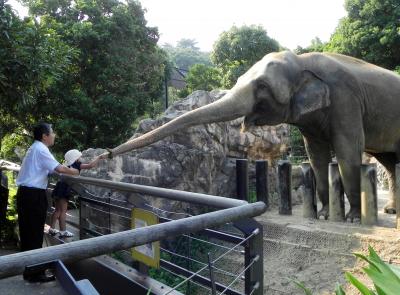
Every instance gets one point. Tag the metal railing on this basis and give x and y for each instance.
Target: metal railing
(251, 242)
(231, 210)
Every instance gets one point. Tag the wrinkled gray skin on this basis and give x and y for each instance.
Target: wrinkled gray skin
(339, 103)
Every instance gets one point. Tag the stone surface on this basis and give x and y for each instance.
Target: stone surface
(199, 159)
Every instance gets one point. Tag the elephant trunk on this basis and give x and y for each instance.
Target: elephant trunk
(233, 105)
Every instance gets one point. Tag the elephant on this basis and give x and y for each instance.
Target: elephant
(339, 103)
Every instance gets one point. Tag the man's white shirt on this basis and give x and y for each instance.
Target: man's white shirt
(36, 166)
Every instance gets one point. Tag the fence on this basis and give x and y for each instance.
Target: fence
(240, 242)
(245, 242)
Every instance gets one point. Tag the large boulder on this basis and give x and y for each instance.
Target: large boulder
(198, 159)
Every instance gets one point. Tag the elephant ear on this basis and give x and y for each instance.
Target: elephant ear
(312, 94)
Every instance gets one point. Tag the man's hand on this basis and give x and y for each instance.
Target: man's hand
(65, 170)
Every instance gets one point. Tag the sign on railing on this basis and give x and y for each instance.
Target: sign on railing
(149, 253)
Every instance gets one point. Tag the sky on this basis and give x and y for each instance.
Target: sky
(290, 22)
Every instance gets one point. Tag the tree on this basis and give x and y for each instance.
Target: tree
(238, 49)
(115, 76)
(201, 77)
(316, 46)
(370, 32)
(33, 58)
(186, 54)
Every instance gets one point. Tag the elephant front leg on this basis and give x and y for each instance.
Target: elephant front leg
(320, 156)
(349, 156)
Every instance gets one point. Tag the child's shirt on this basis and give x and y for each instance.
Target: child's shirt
(62, 189)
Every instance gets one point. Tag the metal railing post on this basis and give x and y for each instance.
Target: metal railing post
(80, 220)
(254, 275)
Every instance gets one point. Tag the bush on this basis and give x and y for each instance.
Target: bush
(385, 277)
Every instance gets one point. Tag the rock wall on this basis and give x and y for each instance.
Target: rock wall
(199, 159)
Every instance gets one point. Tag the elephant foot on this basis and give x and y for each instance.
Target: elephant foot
(323, 212)
(390, 207)
(354, 215)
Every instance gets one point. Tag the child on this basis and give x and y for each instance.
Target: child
(62, 193)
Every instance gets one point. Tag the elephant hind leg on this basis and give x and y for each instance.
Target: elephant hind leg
(388, 161)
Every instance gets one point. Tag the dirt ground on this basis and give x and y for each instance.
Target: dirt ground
(319, 252)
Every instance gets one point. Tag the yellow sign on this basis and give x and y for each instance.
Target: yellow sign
(149, 253)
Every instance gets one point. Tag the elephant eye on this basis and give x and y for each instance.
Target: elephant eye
(263, 90)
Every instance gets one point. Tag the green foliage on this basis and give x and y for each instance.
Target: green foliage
(238, 49)
(297, 152)
(385, 277)
(202, 77)
(301, 286)
(370, 32)
(190, 248)
(89, 67)
(316, 46)
(32, 59)
(7, 233)
(186, 54)
(13, 141)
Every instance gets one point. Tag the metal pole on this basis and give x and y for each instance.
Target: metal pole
(210, 267)
(397, 196)
(369, 196)
(196, 198)
(242, 179)
(336, 194)
(80, 220)
(262, 181)
(285, 187)
(14, 264)
(254, 275)
(309, 201)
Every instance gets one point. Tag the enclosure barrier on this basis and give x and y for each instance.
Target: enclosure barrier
(368, 189)
(369, 195)
(176, 195)
(309, 198)
(242, 179)
(15, 263)
(262, 181)
(285, 187)
(397, 196)
(240, 214)
(336, 194)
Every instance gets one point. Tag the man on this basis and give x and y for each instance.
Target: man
(32, 183)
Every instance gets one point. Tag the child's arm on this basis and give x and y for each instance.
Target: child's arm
(92, 163)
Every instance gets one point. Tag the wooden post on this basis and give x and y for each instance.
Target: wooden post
(285, 187)
(369, 201)
(309, 198)
(397, 196)
(336, 194)
(262, 181)
(242, 179)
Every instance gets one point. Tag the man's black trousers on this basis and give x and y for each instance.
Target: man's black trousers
(32, 209)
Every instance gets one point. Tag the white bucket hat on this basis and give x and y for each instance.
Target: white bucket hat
(71, 156)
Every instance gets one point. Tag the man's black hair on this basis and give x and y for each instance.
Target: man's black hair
(40, 129)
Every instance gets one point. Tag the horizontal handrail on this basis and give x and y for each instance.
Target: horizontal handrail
(171, 194)
(15, 263)
(183, 196)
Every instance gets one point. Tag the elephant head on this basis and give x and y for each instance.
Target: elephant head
(275, 90)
